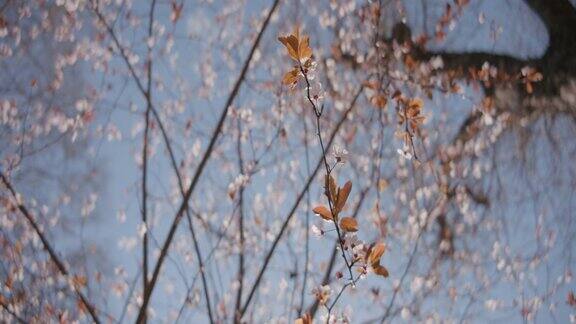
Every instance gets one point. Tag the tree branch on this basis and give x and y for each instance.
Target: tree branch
(237, 317)
(296, 204)
(559, 16)
(148, 95)
(466, 60)
(463, 62)
(150, 106)
(48, 247)
(201, 166)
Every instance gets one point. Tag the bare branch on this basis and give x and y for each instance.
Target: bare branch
(145, 156)
(201, 166)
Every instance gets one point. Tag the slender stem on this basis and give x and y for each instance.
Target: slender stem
(201, 266)
(296, 204)
(129, 297)
(329, 195)
(348, 284)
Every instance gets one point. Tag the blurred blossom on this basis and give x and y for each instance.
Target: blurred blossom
(340, 154)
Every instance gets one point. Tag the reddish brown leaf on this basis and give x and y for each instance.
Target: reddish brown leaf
(380, 270)
(571, 299)
(376, 253)
(343, 194)
(330, 187)
(305, 319)
(298, 48)
(379, 101)
(349, 224)
(291, 77)
(323, 212)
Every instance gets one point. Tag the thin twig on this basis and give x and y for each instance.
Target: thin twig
(329, 195)
(410, 261)
(12, 313)
(308, 207)
(48, 247)
(129, 296)
(240, 227)
(348, 284)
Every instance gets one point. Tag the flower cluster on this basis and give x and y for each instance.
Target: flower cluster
(410, 118)
(240, 181)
